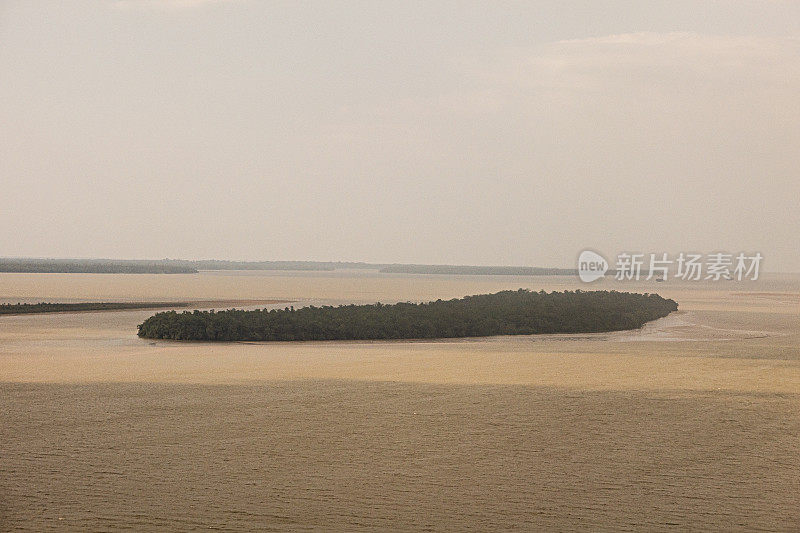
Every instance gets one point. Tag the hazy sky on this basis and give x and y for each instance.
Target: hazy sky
(437, 132)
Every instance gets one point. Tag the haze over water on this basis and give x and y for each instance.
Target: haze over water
(691, 422)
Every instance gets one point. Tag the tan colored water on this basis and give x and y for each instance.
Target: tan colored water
(691, 422)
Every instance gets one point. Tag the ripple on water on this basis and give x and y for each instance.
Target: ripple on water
(359, 455)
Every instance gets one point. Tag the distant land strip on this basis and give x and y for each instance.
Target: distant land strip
(478, 270)
(181, 266)
(47, 307)
(93, 266)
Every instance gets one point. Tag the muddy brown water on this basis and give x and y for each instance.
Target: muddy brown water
(692, 422)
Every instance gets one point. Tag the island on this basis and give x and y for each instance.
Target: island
(520, 312)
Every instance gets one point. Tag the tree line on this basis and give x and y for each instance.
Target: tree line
(47, 307)
(520, 312)
(94, 266)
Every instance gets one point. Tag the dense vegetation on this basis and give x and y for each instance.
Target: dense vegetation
(518, 312)
(23, 309)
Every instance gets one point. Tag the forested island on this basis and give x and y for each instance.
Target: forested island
(520, 312)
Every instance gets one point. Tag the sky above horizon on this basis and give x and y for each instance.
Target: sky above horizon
(494, 133)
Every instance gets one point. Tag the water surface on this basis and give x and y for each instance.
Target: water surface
(691, 422)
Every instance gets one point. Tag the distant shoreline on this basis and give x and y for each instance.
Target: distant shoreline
(180, 266)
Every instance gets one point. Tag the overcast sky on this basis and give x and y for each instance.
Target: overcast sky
(429, 132)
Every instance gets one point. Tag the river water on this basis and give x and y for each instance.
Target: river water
(691, 422)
